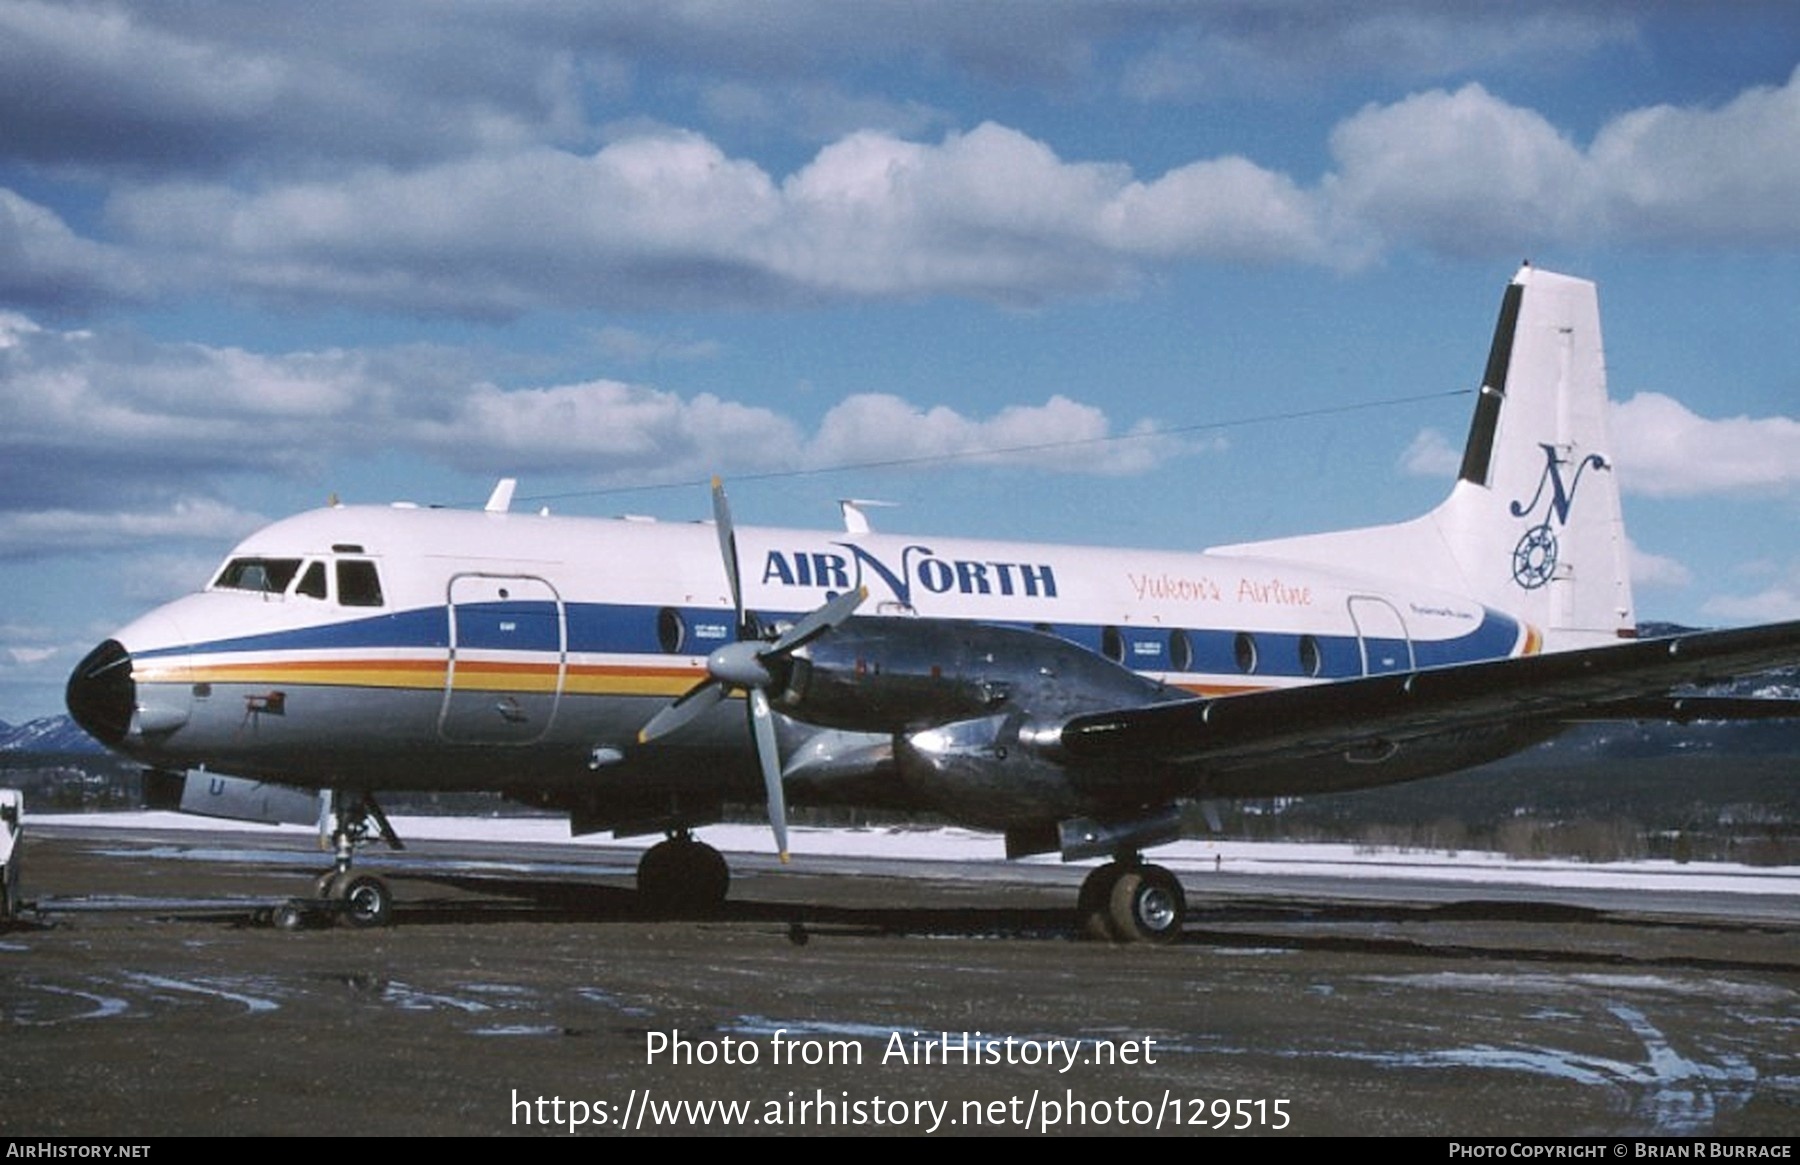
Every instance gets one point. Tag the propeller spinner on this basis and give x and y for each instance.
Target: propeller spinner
(754, 666)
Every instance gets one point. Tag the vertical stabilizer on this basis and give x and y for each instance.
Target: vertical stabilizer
(1534, 521)
(1533, 525)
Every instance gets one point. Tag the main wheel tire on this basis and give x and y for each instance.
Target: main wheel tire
(1093, 909)
(682, 877)
(1147, 906)
(287, 916)
(367, 901)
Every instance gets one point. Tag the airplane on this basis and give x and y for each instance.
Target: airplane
(639, 675)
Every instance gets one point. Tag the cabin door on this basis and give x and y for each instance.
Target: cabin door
(508, 659)
(1381, 635)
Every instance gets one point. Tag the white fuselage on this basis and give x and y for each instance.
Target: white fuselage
(522, 647)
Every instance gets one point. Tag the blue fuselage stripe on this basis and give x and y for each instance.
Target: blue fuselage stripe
(625, 629)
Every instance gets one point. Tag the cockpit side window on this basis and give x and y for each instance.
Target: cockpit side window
(358, 584)
(312, 582)
(269, 576)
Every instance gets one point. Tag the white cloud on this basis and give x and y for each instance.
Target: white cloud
(432, 160)
(35, 533)
(1776, 604)
(634, 347)
(202, 86)
(606, 429)
(670, 219)
(1224, 208)
(816, 111)
(156, 414)
(1777, 600)
(1666, 450)
(1458, 172)
(1656, 570)
(77, 399)
(1730, 175)
(1263, 49)
(45, 264)
(1466, 172)
(1431, 455)
(1060, 435)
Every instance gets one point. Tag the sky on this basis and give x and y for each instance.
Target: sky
(1135, 272)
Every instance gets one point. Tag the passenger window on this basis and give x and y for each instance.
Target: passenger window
(262, 575)
(1243, 649)
(1181, 651)
(1312, 660)
(312, 583)
(671, 630)
(357, 583)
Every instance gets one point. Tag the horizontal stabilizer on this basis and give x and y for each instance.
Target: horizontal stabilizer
(1693, 709)
(1595, 683)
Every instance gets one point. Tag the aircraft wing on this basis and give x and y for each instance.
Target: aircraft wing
(1628, 681)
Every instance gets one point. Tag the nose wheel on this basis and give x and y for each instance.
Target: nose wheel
(1130, 901)
(341, 894)
(358, 900)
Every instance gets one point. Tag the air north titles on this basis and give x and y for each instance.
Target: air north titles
(918, 564)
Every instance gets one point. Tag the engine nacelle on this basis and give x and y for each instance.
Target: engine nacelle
(894, 675)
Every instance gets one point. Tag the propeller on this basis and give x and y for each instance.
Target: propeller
(752, 665)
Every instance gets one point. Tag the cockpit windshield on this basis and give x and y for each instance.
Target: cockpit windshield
(269, 576)
(358, 582)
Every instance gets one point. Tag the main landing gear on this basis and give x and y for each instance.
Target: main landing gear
(358, 900)
(682, 877)
(1128, 900)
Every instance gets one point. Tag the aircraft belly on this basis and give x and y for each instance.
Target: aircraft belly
(320, 735)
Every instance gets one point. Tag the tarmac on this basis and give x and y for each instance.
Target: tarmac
(522, 991)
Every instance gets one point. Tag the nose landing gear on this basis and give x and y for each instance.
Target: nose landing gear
(340, 894)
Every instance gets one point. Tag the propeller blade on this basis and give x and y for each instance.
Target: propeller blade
(762, 726)
(728, 548)
(817, 622)
(683, 711)
(750, 665)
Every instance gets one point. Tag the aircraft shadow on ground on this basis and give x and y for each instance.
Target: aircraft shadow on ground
(1298, 923)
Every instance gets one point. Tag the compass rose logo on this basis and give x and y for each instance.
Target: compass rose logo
(1535, 557)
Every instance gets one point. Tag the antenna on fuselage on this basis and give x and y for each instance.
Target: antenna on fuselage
(855, 520)
(500, 500)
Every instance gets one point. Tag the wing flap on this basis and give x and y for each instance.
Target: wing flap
(1593, 684)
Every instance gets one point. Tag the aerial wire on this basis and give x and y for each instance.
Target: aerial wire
(1011, 450)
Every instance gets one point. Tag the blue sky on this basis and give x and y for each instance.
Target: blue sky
(1202, 272)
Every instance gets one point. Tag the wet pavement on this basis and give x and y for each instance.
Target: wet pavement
(520, 990)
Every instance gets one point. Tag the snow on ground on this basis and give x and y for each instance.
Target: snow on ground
(962, 845)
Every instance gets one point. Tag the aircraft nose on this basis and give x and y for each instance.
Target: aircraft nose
(102, 695)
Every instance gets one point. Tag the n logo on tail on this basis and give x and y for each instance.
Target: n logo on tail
(1534, 558)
